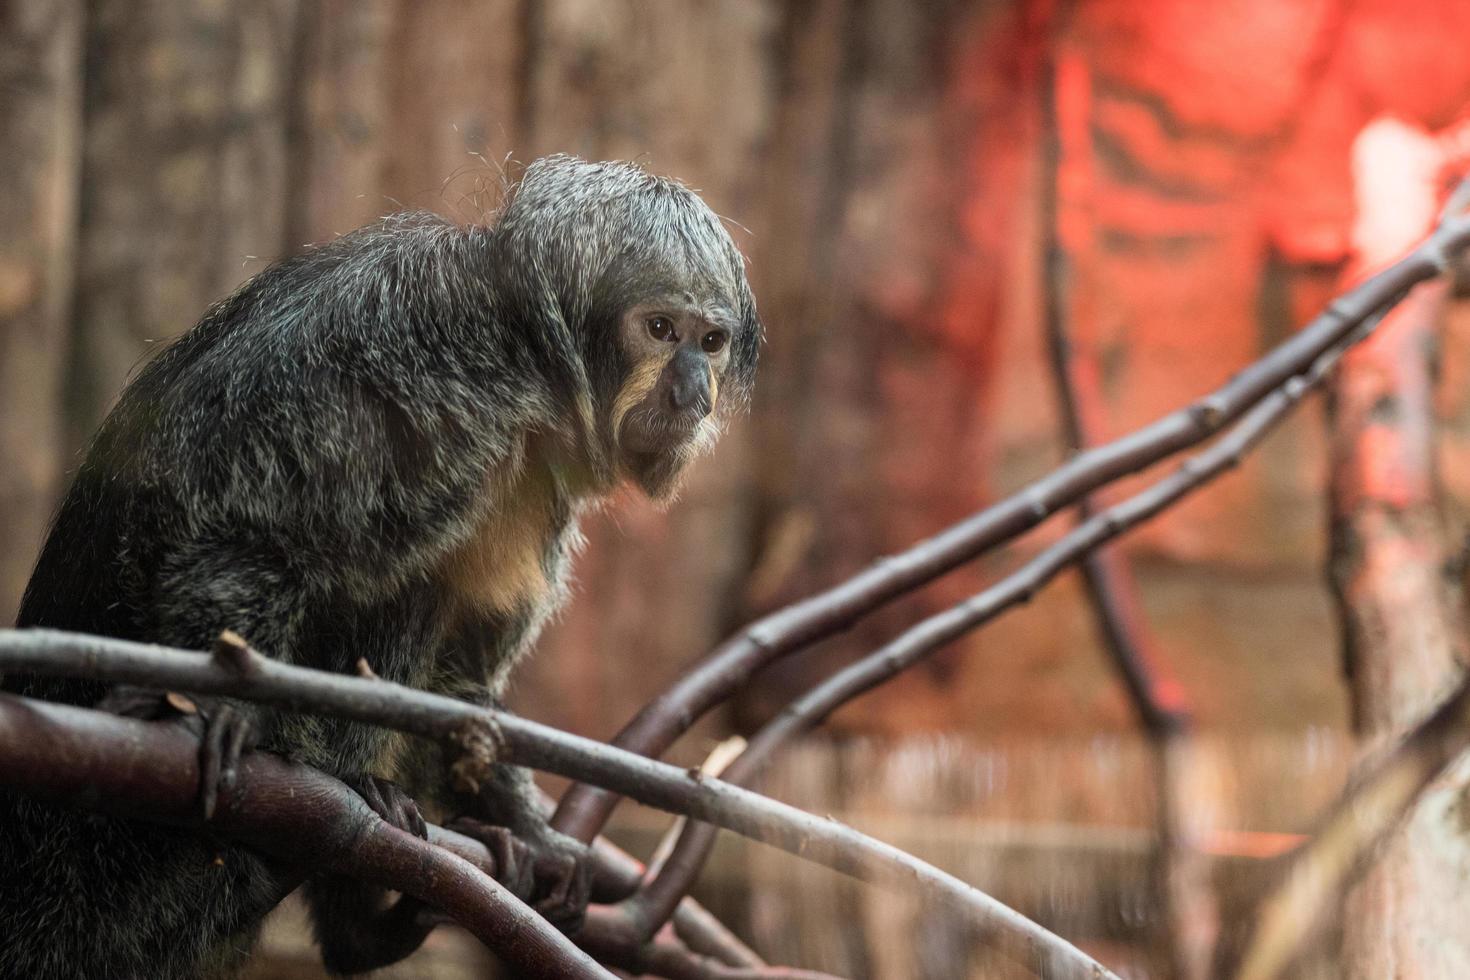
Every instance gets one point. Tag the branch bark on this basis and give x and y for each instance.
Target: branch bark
(81, 757)
(1402, 616)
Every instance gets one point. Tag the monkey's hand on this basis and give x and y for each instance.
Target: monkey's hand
(549, 870)
(225, 731)
(388, 800)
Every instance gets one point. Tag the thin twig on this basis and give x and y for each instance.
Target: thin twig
(701, 931)
(1155, 694)
(617, 871)
(584, 810)
(454, 722)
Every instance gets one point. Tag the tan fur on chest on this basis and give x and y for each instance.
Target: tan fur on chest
(501, 566)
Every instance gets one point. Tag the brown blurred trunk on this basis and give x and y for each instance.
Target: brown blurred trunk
(1402, 619)
(1188, 912)
(401, 104)
(455, 90)
(183, 176)
(40, 117)
(338, 125)
(1402, 624)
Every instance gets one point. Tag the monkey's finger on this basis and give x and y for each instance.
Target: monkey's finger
(580, 894)
(388, 800)
(554, 901)
(406, 815)
(521, 866)
(211, 750)
(240, 738)
(415, 824)
(513, 864)
(565, 904)
(367, 788)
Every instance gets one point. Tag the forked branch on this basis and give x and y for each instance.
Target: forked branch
(130, 768)
(654, 903)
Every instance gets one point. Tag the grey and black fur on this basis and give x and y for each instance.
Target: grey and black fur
(378, 448)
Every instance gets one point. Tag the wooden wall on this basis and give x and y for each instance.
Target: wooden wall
(879, 159)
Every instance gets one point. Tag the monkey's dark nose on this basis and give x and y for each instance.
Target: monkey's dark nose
(689, 391)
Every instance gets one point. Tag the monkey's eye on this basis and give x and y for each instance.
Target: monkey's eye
(660, 327)
(713, 342)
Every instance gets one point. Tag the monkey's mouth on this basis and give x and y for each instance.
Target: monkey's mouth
(651, 436)
(657, 449)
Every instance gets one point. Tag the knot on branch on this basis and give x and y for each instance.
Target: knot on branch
(1207, 413)
(480, 744)
(233, 654)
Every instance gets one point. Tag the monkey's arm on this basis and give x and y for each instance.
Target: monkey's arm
(546, 868)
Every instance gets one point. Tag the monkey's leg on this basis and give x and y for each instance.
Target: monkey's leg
(355, 927)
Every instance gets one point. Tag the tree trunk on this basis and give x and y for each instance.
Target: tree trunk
(183, 176)
(1402, 619)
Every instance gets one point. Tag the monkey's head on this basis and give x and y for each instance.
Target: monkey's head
(640, 278)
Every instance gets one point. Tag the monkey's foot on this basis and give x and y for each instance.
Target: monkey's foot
(225, 731)
(388, 800)
(514, 864)
(550, 871)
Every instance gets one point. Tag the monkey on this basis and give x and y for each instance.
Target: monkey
(378, 448)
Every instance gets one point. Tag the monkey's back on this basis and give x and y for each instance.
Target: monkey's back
(290, 469)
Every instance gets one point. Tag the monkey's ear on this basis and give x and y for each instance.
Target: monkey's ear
(744, 355)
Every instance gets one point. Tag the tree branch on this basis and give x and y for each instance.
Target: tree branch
(584, 809)
(486, 734)
(609, 936)
(80, 757)
(701, 932)
(652, 905)
(91, 759)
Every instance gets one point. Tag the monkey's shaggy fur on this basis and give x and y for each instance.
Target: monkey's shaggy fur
(347, 458)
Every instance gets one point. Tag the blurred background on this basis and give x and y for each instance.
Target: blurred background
(1204, 175)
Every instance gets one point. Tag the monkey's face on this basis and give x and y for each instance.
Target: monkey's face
(665, 413)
